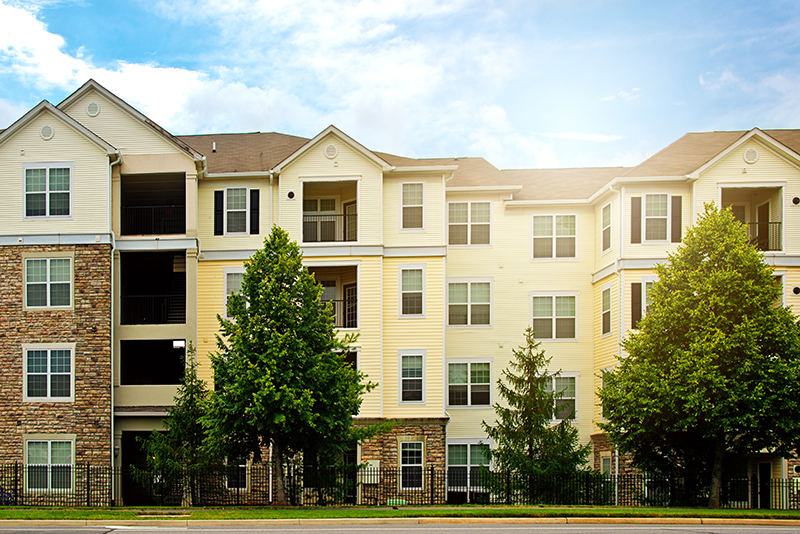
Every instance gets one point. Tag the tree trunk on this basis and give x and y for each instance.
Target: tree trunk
(280, 481)
(716, 472)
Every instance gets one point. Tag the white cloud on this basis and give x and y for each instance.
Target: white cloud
(633, 94)
(576, 136)
(10, 112)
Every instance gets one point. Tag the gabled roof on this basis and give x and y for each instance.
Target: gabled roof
(130, 110)
(561, 184)
(45, 106)
(254, 152)
(355, 145)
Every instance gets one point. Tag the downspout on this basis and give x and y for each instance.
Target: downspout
(118, 161)
(271, 217)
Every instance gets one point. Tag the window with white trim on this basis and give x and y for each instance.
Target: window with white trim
(469, 303)
(413, 200)
(48, 282)
(49, 464)
(411, 454)
(237, 213)
(606, 310)
(49, 372)
(566, 404)
(606, 225)
(412, 376)
(469, 383)
(469, 223)
(236, 473)
(234, 276)
(48, 190)
(464, 462)
(647, 292)
(554, 236)
(319, 219)
(555, 316)
(656, 217)
(412, 291)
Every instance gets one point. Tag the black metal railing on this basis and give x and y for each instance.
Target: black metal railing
(766, 236)
(153, 220)
(153, 309)
(345, 312)
(330, 228)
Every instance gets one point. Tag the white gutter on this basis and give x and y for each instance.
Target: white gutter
(481, 188)
(423, 168)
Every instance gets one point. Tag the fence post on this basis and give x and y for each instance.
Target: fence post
(88, 487)
(508, 486)
(16, 483)
(432, 482)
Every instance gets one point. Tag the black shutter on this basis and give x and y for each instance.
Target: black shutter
(219, 212)
(636, 304)
(254, 211)
(676, 219)
(636, 219)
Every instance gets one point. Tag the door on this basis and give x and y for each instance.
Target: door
(763, 226)
(350, 222)
(764, 486)
(350, 306)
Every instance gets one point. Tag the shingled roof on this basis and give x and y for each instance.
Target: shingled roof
(244, 152)
(561, 184)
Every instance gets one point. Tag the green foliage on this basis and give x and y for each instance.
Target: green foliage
(280, 374)
(715, 366)
(525, 439)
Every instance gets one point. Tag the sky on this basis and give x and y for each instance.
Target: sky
(524, 84)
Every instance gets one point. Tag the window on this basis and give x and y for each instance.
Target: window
(655, 217)
(554, 236)
(554, 316)
(464, 461)
(234, 276)
(48, 282)
(641, 296)
(566, 391)
(468, 384)
(606, 244)
(236, 473)
(48, 372)
(469, 303)
(412, 291)
(411, 465)
(605, 467)
(412, 374)
(236, 210)
(606, 310)
(48, 189)
(469, 223)
(412, 206)
(49, 464)
(319, 220)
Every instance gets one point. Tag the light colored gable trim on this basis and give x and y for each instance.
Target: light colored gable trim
(791, 157)
(45, 106)
(358, 147)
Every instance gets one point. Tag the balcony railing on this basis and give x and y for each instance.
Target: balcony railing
(330, 228)
(153, 309)
(344, 313)
(154, 220)
(766, 236)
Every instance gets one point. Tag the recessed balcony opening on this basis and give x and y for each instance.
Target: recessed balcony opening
(330, 212)
(758, 208)
(340, 289)
(147, 362)
(153, 288)
(153, 204)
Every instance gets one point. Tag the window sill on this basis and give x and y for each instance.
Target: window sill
(553, 260)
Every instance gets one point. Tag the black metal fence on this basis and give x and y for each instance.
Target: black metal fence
(153, 220)
(330, 228)
(766, 236)
(255, 485)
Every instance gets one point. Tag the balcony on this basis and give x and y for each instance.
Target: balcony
(153, 288)
(152, 362)
(340, 289)
(344, 312)
(330, 212)
(760, 210)
(330, 228)
(765, 236)
(153, 204)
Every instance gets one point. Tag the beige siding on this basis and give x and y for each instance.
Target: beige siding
(205, 220)
(607, 257)
(90, 179)
(658, 249)
(434, 211)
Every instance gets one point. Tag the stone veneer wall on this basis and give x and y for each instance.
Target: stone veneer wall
(601, 444)
(385, 447)
(88, 325)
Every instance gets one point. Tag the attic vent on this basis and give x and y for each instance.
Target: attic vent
(331, 151)
(46, 132)
(751, 155)
(93, 109)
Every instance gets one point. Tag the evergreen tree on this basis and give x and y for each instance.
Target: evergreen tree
(715, 366)
(525, 438)
(280, 374)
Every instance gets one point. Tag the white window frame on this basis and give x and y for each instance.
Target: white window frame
(47, 166)
(469, 362)
(469, 303)
(238, 467)
(780, 278)
(49, 347)
(469, 443)
(555, 294)
(246, 230)
(645, 217)
(317, 212)
(49, 439)
(400, 355)
(571, 375)
(421, 464)
(48, 283)
(402, 218)
(554, 237)
(606, 289)
(651, 279)
(606, 227)
(469, 224)
(227, 290)
(410, 267)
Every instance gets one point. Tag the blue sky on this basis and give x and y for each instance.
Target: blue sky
(537, 83)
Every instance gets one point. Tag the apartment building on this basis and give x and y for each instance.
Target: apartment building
(120, 243)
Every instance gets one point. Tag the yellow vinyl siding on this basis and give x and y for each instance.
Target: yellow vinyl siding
(205, 220)
(657, 249)
(434, 210)
(90, 178)
(606, 257)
